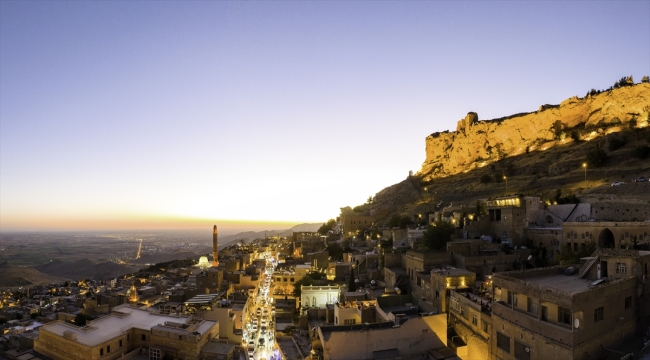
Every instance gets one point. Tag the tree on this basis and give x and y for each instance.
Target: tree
(327, 227)
(335, 251)
(34, 315)
(641, 152)
(480, 209)
(80, 319)
(597, 158)
(399, 221)
(352, 286)
(437, 235)
(19, 316)
(305, 281)
(485, 179)
(569, 256)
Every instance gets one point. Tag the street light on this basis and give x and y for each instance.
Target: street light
(506, 179)
(584, 165)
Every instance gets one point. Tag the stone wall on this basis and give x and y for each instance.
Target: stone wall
(476, 144)
(620, 211)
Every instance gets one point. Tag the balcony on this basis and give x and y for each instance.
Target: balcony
(556, 333)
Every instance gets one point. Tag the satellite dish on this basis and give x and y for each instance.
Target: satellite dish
(576, 323)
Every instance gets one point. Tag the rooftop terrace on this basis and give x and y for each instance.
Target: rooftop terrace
(122, 319)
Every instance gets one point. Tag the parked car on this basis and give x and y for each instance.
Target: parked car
(641, 179)
(617, 183)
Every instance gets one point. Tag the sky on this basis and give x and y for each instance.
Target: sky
(134, 115)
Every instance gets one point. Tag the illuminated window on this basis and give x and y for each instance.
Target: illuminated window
(621, 268)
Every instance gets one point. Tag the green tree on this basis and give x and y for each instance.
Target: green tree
(641, 152)
(335, 251)
(33, 315)
(597, 158)
(405, 221)
(305, 281)
(19, 316)
(569, 256)
(479, 209)
(437, 235)
(400, 221)
(325, 228)
(80, 319)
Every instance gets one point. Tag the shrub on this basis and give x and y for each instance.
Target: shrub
(485, 179)
(615, 144)
(641, 152)
(575, 136)
(597, 158)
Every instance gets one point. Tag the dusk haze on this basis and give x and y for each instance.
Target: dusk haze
(140, 115)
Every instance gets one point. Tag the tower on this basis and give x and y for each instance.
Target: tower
(215, 243)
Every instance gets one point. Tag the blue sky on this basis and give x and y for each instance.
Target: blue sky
(171, 114)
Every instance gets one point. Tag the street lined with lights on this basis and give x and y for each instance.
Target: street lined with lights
(259, 332)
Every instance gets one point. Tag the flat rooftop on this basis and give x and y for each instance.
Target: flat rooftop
(452, 272)
(562, 282)
(111, 326)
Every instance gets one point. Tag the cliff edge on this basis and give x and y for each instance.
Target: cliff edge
(477, 143)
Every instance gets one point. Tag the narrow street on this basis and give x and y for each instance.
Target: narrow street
(259, 331)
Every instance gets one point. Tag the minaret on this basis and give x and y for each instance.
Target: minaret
(215, 243)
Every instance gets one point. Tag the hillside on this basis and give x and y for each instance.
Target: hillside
(457, 173)
(252, 235)
(84, 269)
(12, 276)
(476, 144)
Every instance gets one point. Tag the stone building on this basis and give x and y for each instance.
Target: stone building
(544, 314)
(415, 338)
(444, 280)
(352, 221)
(471, 320)
(355, 312)
(124, 331)
(319, 296)
(620, 235)
(507, 218)
(211, 279)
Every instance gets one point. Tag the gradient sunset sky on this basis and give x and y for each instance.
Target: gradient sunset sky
(122, 115)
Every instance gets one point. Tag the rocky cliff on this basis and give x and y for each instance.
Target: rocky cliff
(477, 143)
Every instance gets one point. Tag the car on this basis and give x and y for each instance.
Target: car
(251, 357)
(263, 329)
(618, 183)
(641, 179)
(273, 309)
(259, 311)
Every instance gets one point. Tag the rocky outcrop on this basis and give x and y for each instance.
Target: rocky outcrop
(477, 143)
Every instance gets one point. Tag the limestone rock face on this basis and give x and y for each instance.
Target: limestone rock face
(477, 143)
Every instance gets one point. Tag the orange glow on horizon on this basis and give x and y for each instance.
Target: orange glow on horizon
(138, 223)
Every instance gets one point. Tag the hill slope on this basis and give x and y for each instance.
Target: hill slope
(12, 276)
(549, 166)
(476, 144)
(85, 269)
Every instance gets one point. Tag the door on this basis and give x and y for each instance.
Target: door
(544, 313)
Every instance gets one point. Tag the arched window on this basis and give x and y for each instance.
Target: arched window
(307, 301)
(313, 301)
